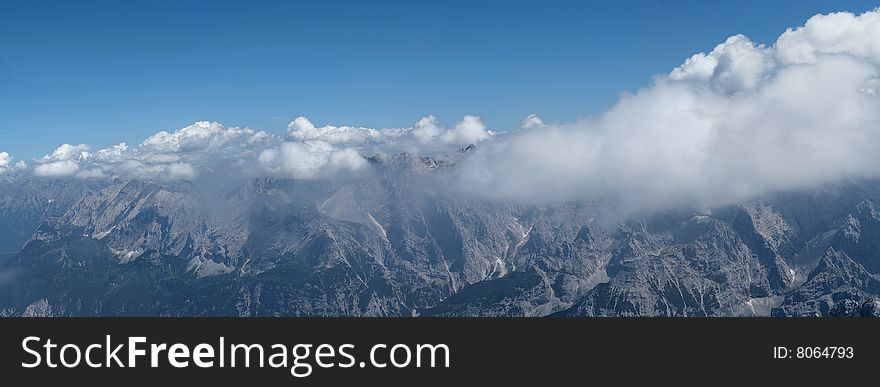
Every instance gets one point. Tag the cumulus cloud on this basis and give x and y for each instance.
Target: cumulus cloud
(426, 129)
(305, 151)
(57, 169)
(836, 33)
(304, 130)
(201, 136)
(5, 161)
(165, 155)
(733, 66)
(63, 161)
(309, 151)
(470, 130)
(739, 121)
(532, 121)
(68, 152)
(426, 135)
(310, 159)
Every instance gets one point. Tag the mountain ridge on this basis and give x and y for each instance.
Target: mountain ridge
(391, 245)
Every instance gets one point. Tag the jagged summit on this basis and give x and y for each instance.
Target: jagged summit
(420, 164)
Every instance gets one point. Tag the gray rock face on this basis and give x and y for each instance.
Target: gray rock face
(515, 295)
(713, 273)
(394, 242)
(837, 278)
(851, 308)
(859, 236)
(26, 203)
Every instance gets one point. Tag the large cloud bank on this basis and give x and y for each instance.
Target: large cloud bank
(742, 120)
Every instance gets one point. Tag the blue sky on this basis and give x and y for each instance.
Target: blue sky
(106, 72)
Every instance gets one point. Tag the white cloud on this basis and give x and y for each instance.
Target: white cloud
(532, 121)
(5, 161)
(67, 152)
(739, 64)
(62, 168)
(113, 154)
(181, 171)
(740, 121)
(165, 155)
(426, 135)
(310, 159)
(346, 160)
(427, 129)
(429, 133)
(201, 136)
(470, 130)
(733, 66)
(306, 151)
(63, 161)
(302, 129)
(836, 33)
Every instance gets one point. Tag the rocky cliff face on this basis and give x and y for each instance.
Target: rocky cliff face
(393, 243)
(26, 203)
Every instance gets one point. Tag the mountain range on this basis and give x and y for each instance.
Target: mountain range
(393, 243)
